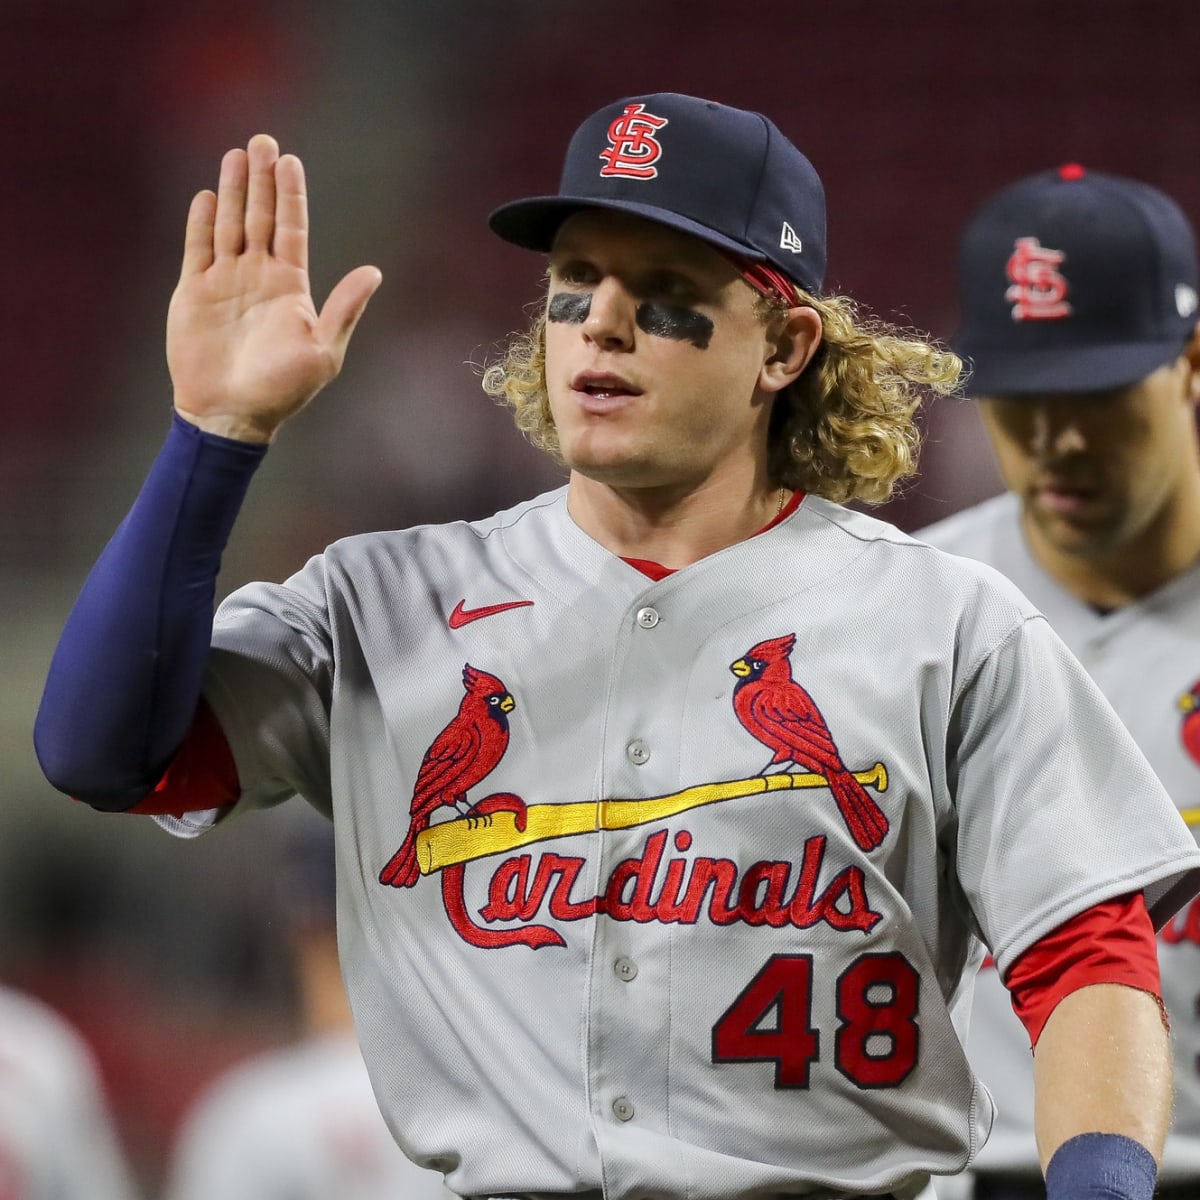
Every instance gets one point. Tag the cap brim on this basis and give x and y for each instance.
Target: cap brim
(1008, 372)
(533, 223)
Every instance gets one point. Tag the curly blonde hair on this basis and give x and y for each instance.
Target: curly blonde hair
(845, 430)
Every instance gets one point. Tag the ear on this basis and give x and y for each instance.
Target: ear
(796, 340)
(1192, 353)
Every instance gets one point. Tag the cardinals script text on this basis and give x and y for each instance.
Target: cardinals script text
(649, 887)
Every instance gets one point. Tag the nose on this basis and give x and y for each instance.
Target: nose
(1055, 434)
(610, 320)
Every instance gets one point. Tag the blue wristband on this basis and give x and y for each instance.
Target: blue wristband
(1101, 1166)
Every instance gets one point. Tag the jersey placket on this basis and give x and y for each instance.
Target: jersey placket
(628, 1046)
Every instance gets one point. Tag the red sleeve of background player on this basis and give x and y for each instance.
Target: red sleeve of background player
(1112, 942)
(202, 774)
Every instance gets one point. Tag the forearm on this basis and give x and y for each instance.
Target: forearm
(127, 673)
(1103, 1065)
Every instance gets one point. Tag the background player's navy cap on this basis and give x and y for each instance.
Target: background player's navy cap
(723, 174)
(1074, 281)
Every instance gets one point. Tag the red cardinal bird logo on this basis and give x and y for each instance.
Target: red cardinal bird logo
(1189, 705)
(466, 751)
(776, 710)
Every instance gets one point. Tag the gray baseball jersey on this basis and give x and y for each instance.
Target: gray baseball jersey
(1146, 659)
(57, 1136)
(295, 1124)
(711, 924)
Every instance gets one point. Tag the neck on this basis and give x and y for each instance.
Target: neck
(674, 526)
(1167, 548)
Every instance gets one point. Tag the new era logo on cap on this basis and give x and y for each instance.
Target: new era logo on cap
(790, 240)
(1074, 281)
(725, 175)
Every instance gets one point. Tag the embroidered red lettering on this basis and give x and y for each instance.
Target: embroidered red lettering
(633, 149)
(640, 889)
(1039, 289)
(641, 872)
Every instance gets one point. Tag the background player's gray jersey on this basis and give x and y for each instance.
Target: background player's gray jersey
(1146, 659)
(298, 1123)
(58, 1139)
(691, 982)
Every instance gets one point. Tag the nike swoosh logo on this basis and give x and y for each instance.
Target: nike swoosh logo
(464, 616)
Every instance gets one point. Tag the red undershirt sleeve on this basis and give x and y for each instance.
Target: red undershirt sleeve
(1112, 942)
(202, 775)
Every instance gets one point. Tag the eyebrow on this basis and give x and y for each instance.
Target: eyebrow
(685, 257)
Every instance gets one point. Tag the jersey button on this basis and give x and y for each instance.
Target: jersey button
(647, 618)
(623, 1108)
(625, 969)
(637, 752)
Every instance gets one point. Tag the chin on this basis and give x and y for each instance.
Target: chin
(618, 475)
(1083, 541)
(613, 466)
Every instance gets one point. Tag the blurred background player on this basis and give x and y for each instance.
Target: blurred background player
(57, 1137)
(1078, 299)
(300, 1123)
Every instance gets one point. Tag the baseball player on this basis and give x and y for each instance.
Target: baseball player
(57, 1136)
(299, 1123)
(675, 807)
(1078, 293)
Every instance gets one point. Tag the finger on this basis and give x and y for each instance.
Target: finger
(198, 236)
(291, 213)
(346, 304)
(261, 155)
(230, 227)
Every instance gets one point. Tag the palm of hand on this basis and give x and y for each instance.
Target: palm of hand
(246, 346)
(242, 339)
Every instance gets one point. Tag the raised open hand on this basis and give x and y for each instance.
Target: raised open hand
(246, 346)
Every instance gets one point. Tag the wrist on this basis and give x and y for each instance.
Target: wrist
(1101, 1166)
(232, 428)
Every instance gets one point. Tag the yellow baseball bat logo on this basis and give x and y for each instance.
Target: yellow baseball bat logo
(468, 838)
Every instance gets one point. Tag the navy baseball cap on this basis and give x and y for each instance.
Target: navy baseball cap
(1074, 281)
(726, 175)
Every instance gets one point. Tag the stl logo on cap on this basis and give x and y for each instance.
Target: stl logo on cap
(1039, 290)
(634, 149)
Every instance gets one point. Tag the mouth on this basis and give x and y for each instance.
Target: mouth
(1066, 497)
(601, 392)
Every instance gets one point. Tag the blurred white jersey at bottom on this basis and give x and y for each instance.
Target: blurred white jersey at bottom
(58, 1140)
(295, 1124)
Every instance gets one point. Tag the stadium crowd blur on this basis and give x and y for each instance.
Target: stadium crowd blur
(414, 118)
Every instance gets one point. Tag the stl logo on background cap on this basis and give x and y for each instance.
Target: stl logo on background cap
(633, 149)
(1039, 289)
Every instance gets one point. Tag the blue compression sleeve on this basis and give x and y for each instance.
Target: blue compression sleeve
(1101, 1166)
(127, 673)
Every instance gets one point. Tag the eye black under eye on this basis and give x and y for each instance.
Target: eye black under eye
(571, 308)
(676, 321)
